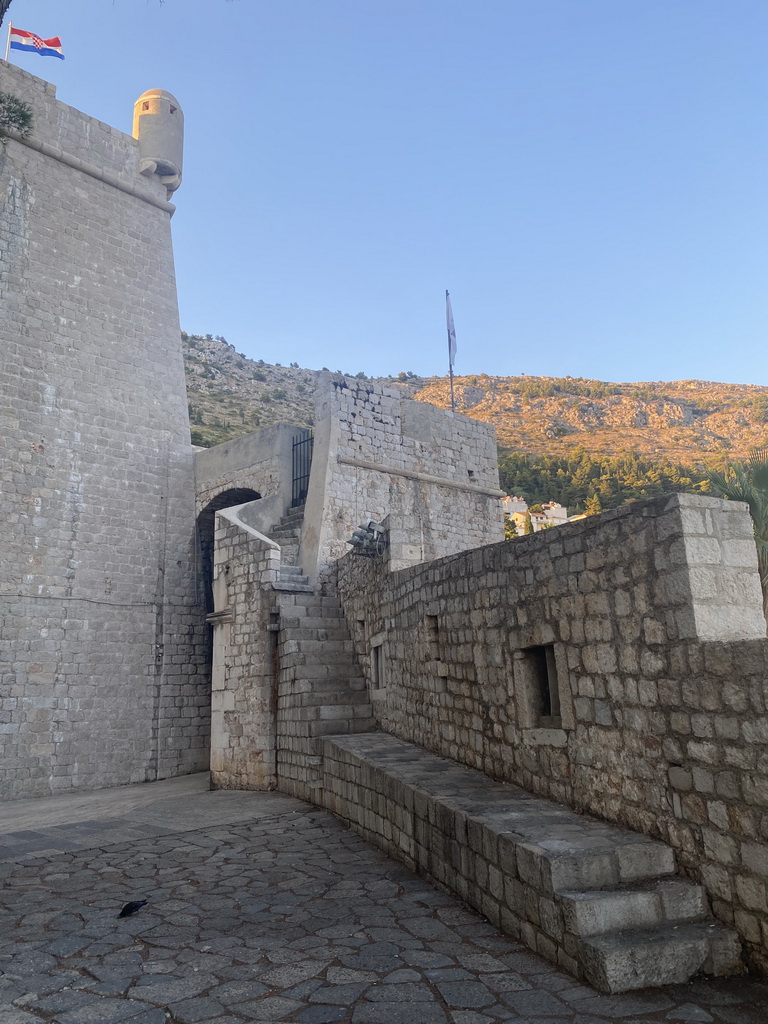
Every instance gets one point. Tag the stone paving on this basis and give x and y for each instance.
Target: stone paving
(262, 908)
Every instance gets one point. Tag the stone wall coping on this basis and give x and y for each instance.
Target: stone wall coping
(56, 153)
(349, 460)
(232, 516)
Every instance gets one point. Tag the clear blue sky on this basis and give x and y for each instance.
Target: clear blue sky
(589, 178)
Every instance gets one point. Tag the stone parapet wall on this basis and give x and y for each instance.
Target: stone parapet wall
(662, 722)
(69, 136)
(246, 565)
(433, 475)
(260, 461)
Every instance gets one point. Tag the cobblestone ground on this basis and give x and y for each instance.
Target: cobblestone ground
(286, 918)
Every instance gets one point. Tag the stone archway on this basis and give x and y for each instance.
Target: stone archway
(206, 528)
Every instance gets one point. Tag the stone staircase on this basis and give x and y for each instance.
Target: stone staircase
(321, 688)
(287, 533)
(600, 901)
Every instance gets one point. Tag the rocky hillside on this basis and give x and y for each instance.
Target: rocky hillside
(687, 422)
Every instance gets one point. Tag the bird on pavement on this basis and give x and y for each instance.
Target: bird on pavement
(132, 908)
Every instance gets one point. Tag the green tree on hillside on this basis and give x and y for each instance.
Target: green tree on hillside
(749, 483)
(592, 506)
(571, 479)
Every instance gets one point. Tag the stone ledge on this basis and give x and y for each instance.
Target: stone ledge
(599, 900)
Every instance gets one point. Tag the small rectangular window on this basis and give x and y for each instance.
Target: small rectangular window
(377, 667)
(541, 683)
(432, 637)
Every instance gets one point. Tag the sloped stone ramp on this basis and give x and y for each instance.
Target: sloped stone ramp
(600, 901)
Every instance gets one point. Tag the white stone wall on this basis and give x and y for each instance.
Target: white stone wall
(101, 624)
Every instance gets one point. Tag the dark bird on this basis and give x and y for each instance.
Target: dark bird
(132, 908)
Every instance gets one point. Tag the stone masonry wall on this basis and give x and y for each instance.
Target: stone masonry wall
(651, 617)
(243, 684)
(101, 624)
(260, 461)
(431, 473)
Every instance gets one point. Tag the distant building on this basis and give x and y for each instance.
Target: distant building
(552, 514)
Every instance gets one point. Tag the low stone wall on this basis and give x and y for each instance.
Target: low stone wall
(617, 665)
(600, 901)
(243, 681)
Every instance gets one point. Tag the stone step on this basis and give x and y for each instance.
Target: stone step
(291, 621)
(291, 570)
(598, 899)
(311, 633)
(669, 955)
(279, 531)
(293, 588)
(343, 727)
(323, 649)
(643, 905)
(333, 698)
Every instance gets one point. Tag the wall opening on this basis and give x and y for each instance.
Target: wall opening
(432, 636)
(206, 528)
(377, 667)
(536, 676)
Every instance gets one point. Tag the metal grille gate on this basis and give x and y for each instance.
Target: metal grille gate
(301, 463)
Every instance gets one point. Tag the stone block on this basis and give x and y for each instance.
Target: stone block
(644, 860)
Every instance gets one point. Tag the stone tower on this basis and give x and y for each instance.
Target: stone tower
(102, 633)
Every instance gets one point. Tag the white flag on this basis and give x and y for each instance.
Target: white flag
(451, 330)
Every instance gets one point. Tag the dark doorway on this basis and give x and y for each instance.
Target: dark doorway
(206, 528)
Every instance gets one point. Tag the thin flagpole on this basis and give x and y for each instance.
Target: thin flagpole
(8, 43)
(451, 343)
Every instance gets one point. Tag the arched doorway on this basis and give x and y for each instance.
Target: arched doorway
(206, 528)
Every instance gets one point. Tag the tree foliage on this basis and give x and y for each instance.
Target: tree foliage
(749, 483)
(572, 479)
(15, 116)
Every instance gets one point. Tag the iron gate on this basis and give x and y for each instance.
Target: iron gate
(301, 463)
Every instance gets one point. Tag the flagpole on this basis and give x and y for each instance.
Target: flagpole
(8, 43)
(451, 344)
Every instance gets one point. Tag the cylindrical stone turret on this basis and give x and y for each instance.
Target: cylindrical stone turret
(158, 124)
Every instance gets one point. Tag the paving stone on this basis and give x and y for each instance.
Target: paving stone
(689, 1012)
(267, 1009)
(397, 1013)
(190, 1011)
(105, 1011)
(234, 936)
(465, 994)
(338, 995)
(404, 974)
(619, 1007)
(10, 1015)
(535, 1004)
(163, 990)
(322, 1014)
(345, 975)
(407, 991)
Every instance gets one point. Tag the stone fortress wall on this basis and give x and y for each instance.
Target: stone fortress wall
(618, 665)
(434, 474)
(102, 626)
(267, 675)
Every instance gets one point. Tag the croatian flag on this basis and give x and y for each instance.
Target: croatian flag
(30, 43)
